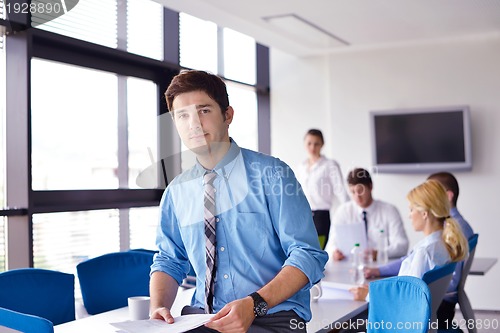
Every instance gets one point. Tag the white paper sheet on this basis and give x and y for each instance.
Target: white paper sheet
(181, 324)
(334, 290)
(346, 235)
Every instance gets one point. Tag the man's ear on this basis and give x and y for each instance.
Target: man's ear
(450, 195)
(229, 115)
(425, 214)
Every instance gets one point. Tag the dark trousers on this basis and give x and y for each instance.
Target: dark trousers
(321, 220)
(445, 315)
(279, 322)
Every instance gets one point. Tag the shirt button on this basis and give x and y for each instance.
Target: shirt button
(216, 219)
(226, 276)
(215, 190)
(222, 248)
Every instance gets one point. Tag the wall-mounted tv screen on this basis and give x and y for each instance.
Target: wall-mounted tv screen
(421, 140)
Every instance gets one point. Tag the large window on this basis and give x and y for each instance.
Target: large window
(198, 43)
(62, 240)
(74, 127)
(94, 21)
(142, 132)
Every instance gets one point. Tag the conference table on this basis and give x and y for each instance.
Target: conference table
(326, 312)
(480, 266)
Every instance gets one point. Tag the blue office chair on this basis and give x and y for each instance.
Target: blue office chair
(438, 279)
(39, 292)
(108, 280)
(390, 301)
(24, 322)
(463, 299)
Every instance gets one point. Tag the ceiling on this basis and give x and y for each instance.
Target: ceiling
(313, 27)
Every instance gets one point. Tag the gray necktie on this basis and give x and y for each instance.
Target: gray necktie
(209, 216)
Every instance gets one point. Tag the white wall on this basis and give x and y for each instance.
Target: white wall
(453, 73)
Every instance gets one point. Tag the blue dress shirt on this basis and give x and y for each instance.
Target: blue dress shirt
(263, 223)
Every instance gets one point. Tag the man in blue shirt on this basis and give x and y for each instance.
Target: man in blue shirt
(446, 311)
(267, 249)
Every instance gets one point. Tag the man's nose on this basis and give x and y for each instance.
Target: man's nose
(194, 122)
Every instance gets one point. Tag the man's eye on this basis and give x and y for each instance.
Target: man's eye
(181, 116)
(204, 111)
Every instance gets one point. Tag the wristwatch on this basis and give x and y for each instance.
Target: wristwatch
(259, 305)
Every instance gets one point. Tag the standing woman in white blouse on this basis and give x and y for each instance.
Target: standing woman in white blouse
(321, 180)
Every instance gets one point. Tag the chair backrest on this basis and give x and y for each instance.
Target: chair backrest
(108, 280)
(39, 292)
(438, 279)
(390, 301)
(468, 262)
(24, 322)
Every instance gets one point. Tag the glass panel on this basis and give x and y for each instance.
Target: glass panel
(143, 224)
(74, 127)
(239, 57)
(63, 240)
(244, 129)
(142, 98)
(94, 21)
(198, 43)
(3, 222)
(145, 39)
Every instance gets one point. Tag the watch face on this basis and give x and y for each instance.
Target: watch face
(261, 309)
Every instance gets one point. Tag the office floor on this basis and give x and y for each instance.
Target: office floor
(487, 321)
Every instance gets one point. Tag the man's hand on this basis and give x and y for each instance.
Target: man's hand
(338, 255)
(162, 313)
(234, 317)
(371, 272)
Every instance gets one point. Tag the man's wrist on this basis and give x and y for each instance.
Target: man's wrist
(260, 305)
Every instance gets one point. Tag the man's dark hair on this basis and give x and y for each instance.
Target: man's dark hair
(194, 80)
(359, 176)
(316, 132)
(449, 182)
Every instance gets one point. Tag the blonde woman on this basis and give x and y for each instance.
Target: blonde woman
(444, 241)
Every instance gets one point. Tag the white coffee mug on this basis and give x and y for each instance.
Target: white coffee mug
(138, 307)
(316, 292)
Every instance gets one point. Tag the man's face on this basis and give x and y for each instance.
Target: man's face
(199, 121)
(361, 194)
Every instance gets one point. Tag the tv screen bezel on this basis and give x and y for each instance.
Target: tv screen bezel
(430, 166)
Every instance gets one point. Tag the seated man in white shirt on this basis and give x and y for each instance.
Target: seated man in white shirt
(375, 214)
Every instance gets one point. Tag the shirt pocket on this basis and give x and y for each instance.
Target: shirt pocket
(252, 231)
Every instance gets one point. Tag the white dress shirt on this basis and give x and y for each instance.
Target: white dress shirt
(427, 254)
(321, 183)
(380, 215)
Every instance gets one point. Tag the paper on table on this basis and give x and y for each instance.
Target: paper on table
(335, 290)
(181, 324)
(346, 235)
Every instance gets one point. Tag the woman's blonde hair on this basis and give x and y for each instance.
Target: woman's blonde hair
(431, 197)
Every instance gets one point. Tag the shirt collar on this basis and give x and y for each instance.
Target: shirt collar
(370, 209)
(225, 166)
